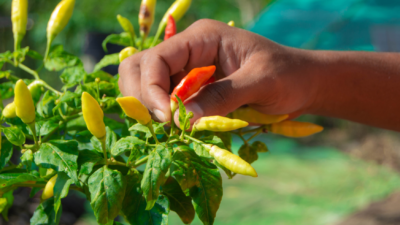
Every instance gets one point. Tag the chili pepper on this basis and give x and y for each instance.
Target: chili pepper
(231, 23)
(48, 190)
(209, 81)
(24, 106)
(146, 17)
(9, 111)
(93, 116)
(134, 109)
(127, 26)
(170, 30)
(19, 18)
(253, 116)
(176, 10)
(126, 52)
(191, 84)
(58, 20)
(294, 128)
(218, 124)
(231, 161)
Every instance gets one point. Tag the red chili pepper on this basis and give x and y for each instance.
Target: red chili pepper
(170, 30)
(192, 82)
(209, 81)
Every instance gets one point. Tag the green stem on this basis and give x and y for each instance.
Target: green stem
(143, 36)
(193, 139)
(49, 41)
(254, 135)
(141, 161)
(16, 47)
(33, 130)
(103, 146)
(46, 85)
(98, 91)
(8, 168)
(193, 132)
(174, 106)
(160, 29)
(29, 70)
(150, 126)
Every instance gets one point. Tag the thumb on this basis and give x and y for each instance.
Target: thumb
(222, 96)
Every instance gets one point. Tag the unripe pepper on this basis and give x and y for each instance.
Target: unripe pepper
(253, 116)
(134, 109)
(9, 111)
(146, 16)
(127, 26)
(231, 161)
(24, 106)
(170, 30)
(126, 52)
(93, 116)
(231, 23)
(58, 20)
(192, 83)
(48, 190)
(176, 10)
(218, 124)
(294, 128)
(19, 18)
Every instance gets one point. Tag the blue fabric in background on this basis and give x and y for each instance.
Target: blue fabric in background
(372, 25)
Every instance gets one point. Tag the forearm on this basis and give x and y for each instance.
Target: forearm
(359, 86)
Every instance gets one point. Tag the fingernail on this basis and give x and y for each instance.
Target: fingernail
(160, 115)
(195, 108)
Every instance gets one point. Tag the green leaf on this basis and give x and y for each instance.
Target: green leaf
(111, 139)
(59, 155)
(226, 138)
(202, 151)
(6, 56)
(203, 180)
(126, 144)
(123, 39)
(6, 73)
(7, 89)
(9, 179)
(5, 153)
(27, 159)
(179, 202)
(20, 54)
(61, 189)
(5, 203)
(182, 113)
(46, 105)
(87, 160)
(112, 59)
(14, 135)
(110, 105)
(107, 190)
(248, 153)
(44, 127)
(72, 76)
(134, 205)
(59, 59)
(154, 174)
(259, 146)
(45, 214)
(102, 75)
(34, 55)
(157, 127)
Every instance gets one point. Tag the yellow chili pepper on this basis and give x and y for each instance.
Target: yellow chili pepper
(24, 106)
(9, 111)
(93, 116)
(126, 52)
(127, 26)
(253, 116)
(231, 23)
(294, 128)
(176, 10)
(146, 17)
(231, 161)
(58, 20)
(19, 18)
(218, 124)
(134, 109)
(48, 190)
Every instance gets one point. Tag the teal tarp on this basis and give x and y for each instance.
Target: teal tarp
(332, 24)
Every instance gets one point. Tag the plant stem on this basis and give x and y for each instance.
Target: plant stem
(150, 126)
(141, 161)
(49, 41)
(254, 135)
(29, 70)
(160, 29)
(193, 139)
(174, 106)
(46, 85)
(33, 130)
(103, 146)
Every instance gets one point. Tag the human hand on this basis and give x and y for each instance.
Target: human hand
(250, 70)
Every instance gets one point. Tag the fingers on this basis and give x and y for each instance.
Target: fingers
(129, 80)
(223, 96)
(186, 50)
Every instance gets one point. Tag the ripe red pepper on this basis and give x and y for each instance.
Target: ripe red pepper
(192, 82)
(170, 30)
(209, 81)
